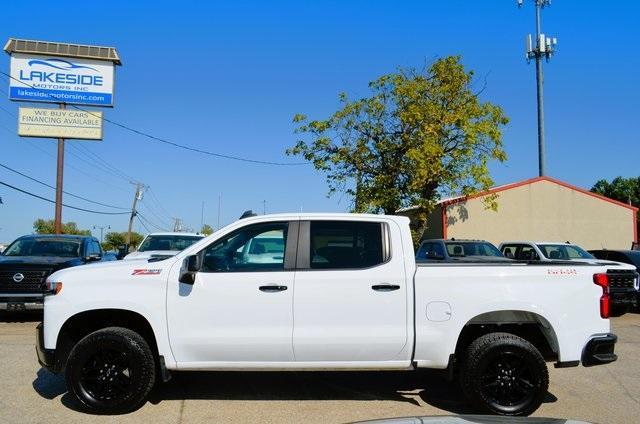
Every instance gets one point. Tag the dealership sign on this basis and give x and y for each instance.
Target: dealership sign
(60, 123)
(37, 78)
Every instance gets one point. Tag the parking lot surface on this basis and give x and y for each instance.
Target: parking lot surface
(605, 394)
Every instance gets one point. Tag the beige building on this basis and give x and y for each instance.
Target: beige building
(539, 209)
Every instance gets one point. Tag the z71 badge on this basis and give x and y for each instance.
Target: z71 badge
(146, 271)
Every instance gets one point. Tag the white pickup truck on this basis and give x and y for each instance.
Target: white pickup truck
(322, 292)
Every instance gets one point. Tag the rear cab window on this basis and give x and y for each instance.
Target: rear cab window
(347, 244)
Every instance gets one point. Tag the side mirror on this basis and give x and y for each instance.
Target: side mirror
(191, 266)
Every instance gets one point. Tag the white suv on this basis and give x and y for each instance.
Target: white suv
(163, 245)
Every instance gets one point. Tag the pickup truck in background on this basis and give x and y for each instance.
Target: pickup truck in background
(622, 290)
(325, 292)
(451, 250)
(163, 245)
(27, 262)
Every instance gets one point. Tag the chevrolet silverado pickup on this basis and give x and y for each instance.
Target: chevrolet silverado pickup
(322, 292)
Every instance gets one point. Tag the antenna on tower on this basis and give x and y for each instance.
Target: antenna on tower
(544, 48)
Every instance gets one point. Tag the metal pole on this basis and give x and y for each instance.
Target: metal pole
(133, 214)
(539, 84)
(219, 206)
(59, 182)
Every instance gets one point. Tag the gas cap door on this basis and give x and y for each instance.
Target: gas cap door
(438, 311)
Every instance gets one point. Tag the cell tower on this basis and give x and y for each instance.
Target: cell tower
(544, 48)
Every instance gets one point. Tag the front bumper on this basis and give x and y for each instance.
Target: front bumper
(599, 350)
(21, 306)
(46, 357)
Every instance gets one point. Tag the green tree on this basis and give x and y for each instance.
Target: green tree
(206, 229)
(625, 190)
(418, 136)
(47, 226)
(113, 240)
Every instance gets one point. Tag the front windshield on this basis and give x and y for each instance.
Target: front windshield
(167, 242)
(44, 247)
(564, 252)
(472, 248)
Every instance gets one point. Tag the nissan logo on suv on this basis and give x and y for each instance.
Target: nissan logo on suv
(18, 277)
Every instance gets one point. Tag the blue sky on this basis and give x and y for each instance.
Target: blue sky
(229, 76)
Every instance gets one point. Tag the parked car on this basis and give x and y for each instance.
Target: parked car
(451, 250)
(163, 245)
(29, 260)
(623, 290)
(346, 294)
(626, 256)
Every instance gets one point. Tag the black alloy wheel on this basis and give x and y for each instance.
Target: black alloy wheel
(504, 374)
(111, 371)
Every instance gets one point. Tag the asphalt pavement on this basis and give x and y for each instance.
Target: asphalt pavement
(603, 394)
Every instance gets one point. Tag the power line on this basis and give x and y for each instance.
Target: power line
(95, 163)
(142, 218)
(121, 173)
(65, 205)
(153, 213)
(158, 203)
(162, 140)
(65, 192)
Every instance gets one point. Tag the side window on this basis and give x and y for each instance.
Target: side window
(92, 248)
(253, 248)
(431, 251)
(346, 244)
(527, 253)
(509, 251)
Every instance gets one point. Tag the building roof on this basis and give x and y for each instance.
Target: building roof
(497, 189)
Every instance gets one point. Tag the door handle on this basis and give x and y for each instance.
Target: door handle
(272, 289)
(385, 287)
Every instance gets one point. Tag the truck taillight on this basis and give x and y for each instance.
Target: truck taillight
(602, 280)
(52, 287)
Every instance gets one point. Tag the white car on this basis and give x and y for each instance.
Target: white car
(323, 292)
(549, 251)
(163, 245)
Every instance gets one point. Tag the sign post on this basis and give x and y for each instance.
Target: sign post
(59, 183)
(61, 73)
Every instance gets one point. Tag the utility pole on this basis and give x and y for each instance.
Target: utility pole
(59, 179)
(134, 212)
(219, 206)
(177, 225)
(102, 228)
(264, 207)
(202, 216)
(545, 47)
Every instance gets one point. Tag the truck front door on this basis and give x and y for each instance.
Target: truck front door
(240, 307)
(350, 301)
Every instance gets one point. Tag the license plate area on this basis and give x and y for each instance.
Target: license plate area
(16, 306)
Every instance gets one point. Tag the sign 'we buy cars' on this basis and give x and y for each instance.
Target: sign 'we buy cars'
(49, 79)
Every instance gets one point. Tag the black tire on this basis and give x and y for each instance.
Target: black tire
(504, 374)
(111, 371)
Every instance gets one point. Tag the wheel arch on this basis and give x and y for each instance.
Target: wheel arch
(528, 325)
(83, 323)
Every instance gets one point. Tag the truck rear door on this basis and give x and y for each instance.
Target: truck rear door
(350, 299)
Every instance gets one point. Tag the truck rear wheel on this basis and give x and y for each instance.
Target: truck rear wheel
(504, 374)
(111, 371)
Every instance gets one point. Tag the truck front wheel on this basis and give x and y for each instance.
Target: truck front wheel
(111, 371)
(504, 374)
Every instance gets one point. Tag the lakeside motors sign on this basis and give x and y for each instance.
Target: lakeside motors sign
(58, 123)
(39, 78)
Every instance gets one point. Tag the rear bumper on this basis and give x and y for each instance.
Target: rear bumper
(46, 357)
(599, 350)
